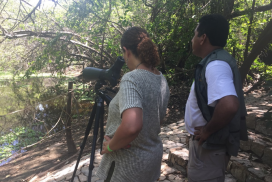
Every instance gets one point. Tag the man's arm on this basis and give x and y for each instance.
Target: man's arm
(224, 111)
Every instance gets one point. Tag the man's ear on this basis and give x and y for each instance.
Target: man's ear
(203, 39)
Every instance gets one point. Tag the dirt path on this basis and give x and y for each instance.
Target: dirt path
(43, 156)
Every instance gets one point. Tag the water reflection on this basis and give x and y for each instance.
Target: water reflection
(35, 104)
(33, 107)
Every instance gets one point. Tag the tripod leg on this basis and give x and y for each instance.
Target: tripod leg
(102, 128)
(99, 110)
(87, 131)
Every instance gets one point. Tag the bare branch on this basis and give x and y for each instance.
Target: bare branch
(117, 29)
(33, 11)
(106, 19)
(84, 57)
(27, 3)
(148, 5)
(83, 45)
(257, 9)
(3, 30)
(21, 34)
(18, 21)
(3, 7)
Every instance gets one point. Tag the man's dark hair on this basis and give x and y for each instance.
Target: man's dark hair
(216, 27)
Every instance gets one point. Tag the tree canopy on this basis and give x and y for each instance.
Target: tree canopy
(46, 35)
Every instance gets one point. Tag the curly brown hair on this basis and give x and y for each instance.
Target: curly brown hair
(137, 40)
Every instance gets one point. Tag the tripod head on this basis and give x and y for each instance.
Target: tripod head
(103, 93)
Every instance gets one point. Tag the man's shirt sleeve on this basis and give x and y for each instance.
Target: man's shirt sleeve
(219, 79)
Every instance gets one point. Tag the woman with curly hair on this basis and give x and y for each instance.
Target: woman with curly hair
(132, 149)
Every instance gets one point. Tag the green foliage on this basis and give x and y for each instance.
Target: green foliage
(16, 139)
(79, 30)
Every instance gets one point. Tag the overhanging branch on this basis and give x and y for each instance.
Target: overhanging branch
(33, 11)
(84, 57)
(26, 33)
(257, 9)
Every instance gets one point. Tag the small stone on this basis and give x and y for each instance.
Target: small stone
(162, 178)
(51, 180)
(168, 170)
(179, 144)
(82, 178)
(267, 157)
(183, 140)
(174, 127)
(181, 124)
(242, 161)
(257, 147)
(268, 178)
(167, 129)
(171, 177)
(257, 171)
(76, 179)
(251, 121)
(177, 131)
(68, 176)
(60, 178)
(245, 145)
(85, 170)
(181, 121)
(261, 127)
(94, 178)
(179, 156)
(173, 124)
(174, 138)
(230, 180)
(238, 171)
(178, 178)
(181, 128)
(163, 165)
(165, 156)
(169, 144)
(97, 160)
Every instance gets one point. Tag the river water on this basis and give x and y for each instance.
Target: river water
(29, 109)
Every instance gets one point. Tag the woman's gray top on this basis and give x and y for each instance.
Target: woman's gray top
(142, 162)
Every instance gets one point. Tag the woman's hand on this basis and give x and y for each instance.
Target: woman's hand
(105, 145)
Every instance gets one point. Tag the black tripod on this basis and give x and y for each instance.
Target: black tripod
(98, 114)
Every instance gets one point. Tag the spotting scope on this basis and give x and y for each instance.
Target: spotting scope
(112, 74)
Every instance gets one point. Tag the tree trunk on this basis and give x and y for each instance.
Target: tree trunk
(249, 30)
(70, 142)
(228, 7)
(264, 38)
(163, 68)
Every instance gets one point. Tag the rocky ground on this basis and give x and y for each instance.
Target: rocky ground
(173, 136)
(253, 164)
